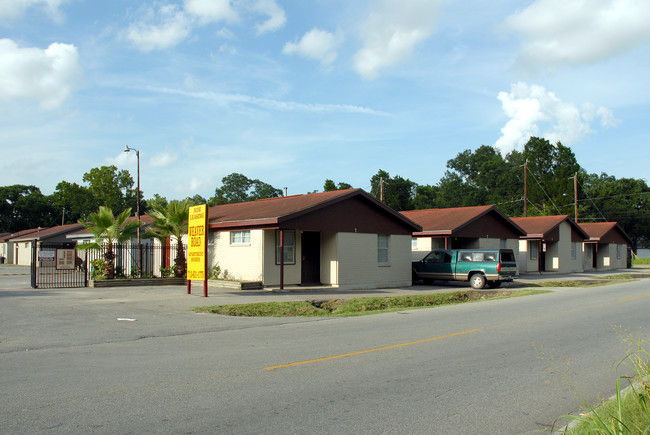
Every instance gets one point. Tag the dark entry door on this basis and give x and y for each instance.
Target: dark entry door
(542, 257)
(310, 258)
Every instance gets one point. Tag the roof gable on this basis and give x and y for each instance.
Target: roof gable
(286, 211)
(543, 226)
(453, 220)
(605, 232)
(49, 232)
(10, 236)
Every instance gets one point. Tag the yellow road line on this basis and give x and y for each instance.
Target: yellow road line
(634, 297)
(367, 351)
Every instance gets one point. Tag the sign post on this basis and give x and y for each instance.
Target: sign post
(197, 247)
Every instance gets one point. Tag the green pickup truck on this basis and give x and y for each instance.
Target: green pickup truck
(480, 267)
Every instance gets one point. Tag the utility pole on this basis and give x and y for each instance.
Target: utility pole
(575, 194)
(381, 189)
(526, 188)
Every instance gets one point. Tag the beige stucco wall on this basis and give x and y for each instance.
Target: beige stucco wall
(329, 273)
(6, 251)
(23, 251)
(240, 262)
(608, 257)
(347, 260)
(358, 265)
(271, 271)
(558, 254)
(524, 262)
(561, 260)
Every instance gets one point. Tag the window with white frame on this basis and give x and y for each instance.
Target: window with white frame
(574, 250)
(414, 243)
(289, 241)
(240, 237)
(382, 248)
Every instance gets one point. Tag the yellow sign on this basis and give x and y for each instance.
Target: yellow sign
(197, 252)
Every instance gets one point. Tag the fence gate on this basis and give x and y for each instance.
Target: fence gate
(58, 265)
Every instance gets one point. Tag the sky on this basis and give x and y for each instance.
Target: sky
(299, 91)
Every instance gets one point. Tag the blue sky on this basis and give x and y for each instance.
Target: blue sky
(295, 92)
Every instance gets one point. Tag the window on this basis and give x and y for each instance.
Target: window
(414, 244)
(240, 237)
(382, 248)
(618, 251)
(533, 247)
(503, 244)
(289, 246)
(574, 250)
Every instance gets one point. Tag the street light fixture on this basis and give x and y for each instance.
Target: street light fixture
(137, 194)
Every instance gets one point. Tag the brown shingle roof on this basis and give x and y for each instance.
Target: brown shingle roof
(601, 230)
(539, 226)
(450, 220)
(49, 232)
(272, 211)
(83, 231)
(21, 233)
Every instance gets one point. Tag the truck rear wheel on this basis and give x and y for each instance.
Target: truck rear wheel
(477, 281)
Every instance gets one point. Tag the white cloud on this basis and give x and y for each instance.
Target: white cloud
(560, 32)
(210, 11)
(159, 30)
(226, 100)
(47, 76)
(162, 160)
(12, 9)
(277, 18)
(392, 31)
(531, 107)
(315, 44)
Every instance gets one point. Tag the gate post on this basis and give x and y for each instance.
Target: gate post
(32, 266)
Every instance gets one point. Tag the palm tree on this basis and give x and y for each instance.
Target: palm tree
(109, 229)
(169, 221)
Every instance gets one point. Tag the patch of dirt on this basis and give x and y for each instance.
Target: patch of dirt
(329, 305)
(476, 295)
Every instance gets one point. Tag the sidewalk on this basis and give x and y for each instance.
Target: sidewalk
(177, 295)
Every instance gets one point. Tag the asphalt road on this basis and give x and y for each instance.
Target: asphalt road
(138, 361)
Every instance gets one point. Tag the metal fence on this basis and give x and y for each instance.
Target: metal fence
(57, 265)
(61, 265)
(136, 261)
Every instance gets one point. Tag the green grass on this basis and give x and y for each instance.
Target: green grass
(357, 306)
(597, 281)
(628, 412)
(640, 260)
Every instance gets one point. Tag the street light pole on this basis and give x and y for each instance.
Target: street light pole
(137, 196)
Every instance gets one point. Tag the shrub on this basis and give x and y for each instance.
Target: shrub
(98, 269)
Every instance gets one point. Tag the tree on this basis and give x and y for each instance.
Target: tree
(551, 169)
(239, 188)
(157, 200)
(171, 220)
(196, 200)
(73, 201)
(624, 200)
(330, 186)
(398, 192)
(109, 229)
(23, 207)
(111, 188)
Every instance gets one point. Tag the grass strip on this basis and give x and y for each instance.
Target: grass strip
(358, 306)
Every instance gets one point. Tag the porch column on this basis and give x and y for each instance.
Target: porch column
(281, 259)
